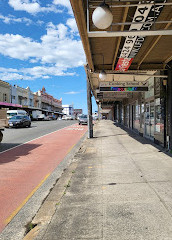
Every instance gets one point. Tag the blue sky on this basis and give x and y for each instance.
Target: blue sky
(40, 46)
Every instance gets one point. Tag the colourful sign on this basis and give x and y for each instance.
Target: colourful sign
(124, 89)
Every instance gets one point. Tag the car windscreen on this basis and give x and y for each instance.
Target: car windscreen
(11, 114)
(17, 117)
(83, 116)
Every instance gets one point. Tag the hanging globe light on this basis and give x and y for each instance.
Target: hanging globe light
(102, 75)
(102, 16)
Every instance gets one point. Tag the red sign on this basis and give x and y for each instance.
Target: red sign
(123, 64)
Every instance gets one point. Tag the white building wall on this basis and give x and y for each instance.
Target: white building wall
(68, 109)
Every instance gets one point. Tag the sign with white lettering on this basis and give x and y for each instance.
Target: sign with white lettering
(144, 13)
(124, 84)
(116, 95)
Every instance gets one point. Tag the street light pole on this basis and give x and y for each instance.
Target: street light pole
(89, 105)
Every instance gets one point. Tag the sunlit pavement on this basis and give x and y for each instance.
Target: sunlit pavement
(24, 168)
(121, 189)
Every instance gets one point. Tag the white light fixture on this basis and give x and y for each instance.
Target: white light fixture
(102, 16)
(102, 75)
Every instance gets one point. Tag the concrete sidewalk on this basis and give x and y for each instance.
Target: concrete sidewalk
(119, 187)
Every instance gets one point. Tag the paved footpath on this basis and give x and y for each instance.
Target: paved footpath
(119, 188)
(25, 168)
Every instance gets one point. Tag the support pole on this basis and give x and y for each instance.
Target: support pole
(99, 111)
(89, 105)
(169, 105)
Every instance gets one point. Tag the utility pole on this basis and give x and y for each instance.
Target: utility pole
(89, 105)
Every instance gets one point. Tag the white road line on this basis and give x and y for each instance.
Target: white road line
(33, 140)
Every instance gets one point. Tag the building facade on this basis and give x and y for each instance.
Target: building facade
(14, 97)
(68, 110)
(77, 112)
(4, 92)
(49, 104)
(146, 112)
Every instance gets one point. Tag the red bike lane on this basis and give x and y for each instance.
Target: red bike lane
(24, 168)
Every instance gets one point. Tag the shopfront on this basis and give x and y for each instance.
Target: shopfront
(149, 120)
(145, 113)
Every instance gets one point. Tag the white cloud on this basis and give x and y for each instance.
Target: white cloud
(72, 24)
(64, 3)
(55, 53)
(32, 6)
(12, 19)
(71, 93)
(25, 5)
(56, 47)
(32, 73)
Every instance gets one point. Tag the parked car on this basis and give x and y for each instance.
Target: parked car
(41, 116)
(53, 117)
(83, 119)
(11, 113)
(64, 117)
(47, 118)
(19, 121)
(67, 117)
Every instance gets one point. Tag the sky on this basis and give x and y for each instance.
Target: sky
(40, 46)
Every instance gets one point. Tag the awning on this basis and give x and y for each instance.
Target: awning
(59, 113)
(105, 111)
(10, 104)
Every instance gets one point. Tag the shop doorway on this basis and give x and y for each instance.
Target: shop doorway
(150, 120)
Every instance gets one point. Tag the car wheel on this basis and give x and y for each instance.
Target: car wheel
(1, 136)
(29, 125)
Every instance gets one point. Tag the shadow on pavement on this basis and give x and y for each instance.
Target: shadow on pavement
(137, 137)
(14, 153)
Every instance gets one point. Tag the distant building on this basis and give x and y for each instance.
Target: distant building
(14, 97)
(4, 92)
(77, 112)
(49, 104)
(37, 100)
(68, 109)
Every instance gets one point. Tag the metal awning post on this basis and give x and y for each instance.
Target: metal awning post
(89, 105)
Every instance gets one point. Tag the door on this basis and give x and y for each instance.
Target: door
(149, 120)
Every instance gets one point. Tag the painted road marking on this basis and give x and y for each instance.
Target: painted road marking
(31, 140)
(25, 201)
(77, 129)
(71, 148)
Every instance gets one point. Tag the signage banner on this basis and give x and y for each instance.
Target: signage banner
(123, 89)
(117, 95)
(123, 64)
(132, 44)
(124, 84)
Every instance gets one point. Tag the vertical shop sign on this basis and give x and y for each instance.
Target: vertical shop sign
(144, 13)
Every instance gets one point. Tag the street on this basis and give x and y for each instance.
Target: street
(31, 156)
(14, 137)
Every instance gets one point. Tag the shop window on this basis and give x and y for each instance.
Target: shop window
(4, 97)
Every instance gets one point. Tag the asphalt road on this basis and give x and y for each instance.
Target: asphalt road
(17, 136)
(29, 171)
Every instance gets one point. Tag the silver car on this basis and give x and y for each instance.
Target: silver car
(83, 119)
